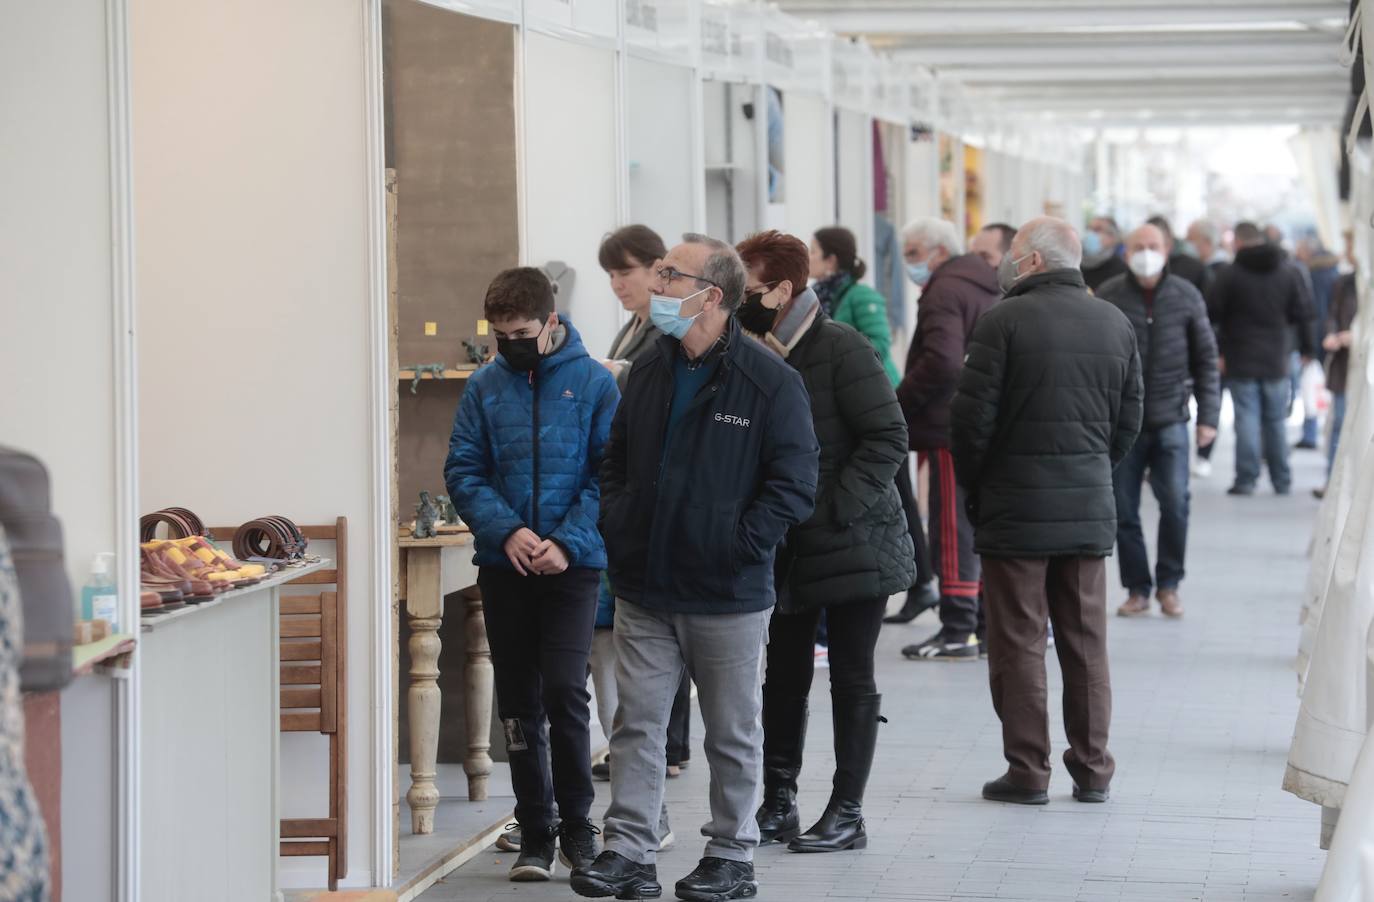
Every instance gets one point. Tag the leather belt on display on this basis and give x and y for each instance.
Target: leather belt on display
(274, 537)
(180, 522)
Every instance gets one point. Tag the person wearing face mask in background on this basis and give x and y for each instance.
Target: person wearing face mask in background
(1205, 237)
(956, 290)
(522, 468)
(1101, 252)
(992, 243)
(1183, 265)
(712, 458)
(844, 561)
(1178, 354)
(836, 270)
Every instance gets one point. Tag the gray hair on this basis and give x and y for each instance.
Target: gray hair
(1210, 231)
(723, 268)
(1055, 239)
(932, 233)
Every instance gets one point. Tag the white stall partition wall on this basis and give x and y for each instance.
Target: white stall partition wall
(253, 268)
(58, 361)
(662, 170)
(854, 180)
(570, 175)
(808, 137)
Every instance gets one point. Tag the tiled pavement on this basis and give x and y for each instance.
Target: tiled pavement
(1204, 711)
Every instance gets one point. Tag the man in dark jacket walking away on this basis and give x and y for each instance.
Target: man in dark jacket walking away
(712, 458)
(1255, 305)
(1049, 402)
(1178, 356)
(959, 290)
(844, 562)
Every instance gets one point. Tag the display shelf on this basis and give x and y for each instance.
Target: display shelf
(407, 375)
(86, 657)
(161, 619)
(440, 541)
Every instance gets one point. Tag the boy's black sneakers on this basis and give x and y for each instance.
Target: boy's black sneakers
(577, 843)
(536, 857)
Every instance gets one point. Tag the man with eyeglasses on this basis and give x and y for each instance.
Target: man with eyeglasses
(712, 458)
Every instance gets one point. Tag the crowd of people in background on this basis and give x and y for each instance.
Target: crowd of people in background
(732, 484)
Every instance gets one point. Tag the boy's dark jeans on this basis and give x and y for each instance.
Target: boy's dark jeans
(540, 631)
(1163, 453)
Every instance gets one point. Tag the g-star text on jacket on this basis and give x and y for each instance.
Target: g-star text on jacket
(732, 420)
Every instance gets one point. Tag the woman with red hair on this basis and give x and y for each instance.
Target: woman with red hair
(845, 561)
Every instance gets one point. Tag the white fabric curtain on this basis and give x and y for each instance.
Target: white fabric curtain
(1317, 153)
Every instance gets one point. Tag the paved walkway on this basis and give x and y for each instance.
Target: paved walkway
(1204, 711)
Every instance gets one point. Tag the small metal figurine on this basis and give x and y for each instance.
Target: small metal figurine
(426, 515)
(434, 369)
(477, 353)
(447, 511)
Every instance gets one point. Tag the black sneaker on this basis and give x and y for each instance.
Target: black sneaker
(1241, 490)
(601, 770)
(510, 840)
(718, 879)
(536, 858)
(612, 874)
(577, 843)
(945, 647)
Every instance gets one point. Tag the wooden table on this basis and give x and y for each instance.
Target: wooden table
(431, 569)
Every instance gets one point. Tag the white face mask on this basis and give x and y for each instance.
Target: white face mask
(1147, 264)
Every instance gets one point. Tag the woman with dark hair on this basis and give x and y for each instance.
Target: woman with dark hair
(836, 268)
(844, 561)
(630, 256)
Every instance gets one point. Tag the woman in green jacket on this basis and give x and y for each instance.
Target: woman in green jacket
(837, 269)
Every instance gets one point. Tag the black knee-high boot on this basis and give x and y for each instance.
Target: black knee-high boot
(784, 735)
(841, 827)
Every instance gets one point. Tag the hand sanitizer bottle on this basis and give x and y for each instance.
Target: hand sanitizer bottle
(99, 600)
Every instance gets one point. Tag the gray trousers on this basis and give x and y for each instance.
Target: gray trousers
(723, 654)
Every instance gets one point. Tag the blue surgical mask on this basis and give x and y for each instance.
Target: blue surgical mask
(1092, 243)
(919, 272)
(666, 313)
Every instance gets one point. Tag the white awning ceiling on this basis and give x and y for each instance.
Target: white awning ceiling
(1118, 62)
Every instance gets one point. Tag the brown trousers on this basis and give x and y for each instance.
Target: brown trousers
(1019, 596)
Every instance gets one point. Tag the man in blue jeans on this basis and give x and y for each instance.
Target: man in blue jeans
(1255, 304)
(1179, 357)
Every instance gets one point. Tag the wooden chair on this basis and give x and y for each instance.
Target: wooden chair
(314, 694)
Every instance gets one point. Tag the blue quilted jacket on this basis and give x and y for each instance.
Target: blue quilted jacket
(526, 450)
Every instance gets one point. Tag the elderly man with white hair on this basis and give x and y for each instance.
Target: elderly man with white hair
(956, 290)
(1049, 402)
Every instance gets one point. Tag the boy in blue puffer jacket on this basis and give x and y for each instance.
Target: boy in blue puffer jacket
(522, 471)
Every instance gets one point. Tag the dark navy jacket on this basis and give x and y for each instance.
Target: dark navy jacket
(696, 531)
(526, 451)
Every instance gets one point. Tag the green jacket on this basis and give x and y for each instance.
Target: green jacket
(866, 310)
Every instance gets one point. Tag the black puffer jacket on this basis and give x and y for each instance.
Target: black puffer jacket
(856, 546)
(1255, 304)
(1049, 403)
(1178, 352)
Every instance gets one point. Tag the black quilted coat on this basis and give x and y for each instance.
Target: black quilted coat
(856, 546)
(1049, 402)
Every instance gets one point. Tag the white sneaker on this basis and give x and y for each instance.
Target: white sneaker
(1202, 468)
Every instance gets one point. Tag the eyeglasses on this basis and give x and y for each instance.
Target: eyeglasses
(669, 274)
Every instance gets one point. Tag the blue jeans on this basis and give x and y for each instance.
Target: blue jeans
(1261, 422)
(1337, 421)
(1164, 454)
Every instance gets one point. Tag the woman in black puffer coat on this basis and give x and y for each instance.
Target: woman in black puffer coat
(845, 561)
